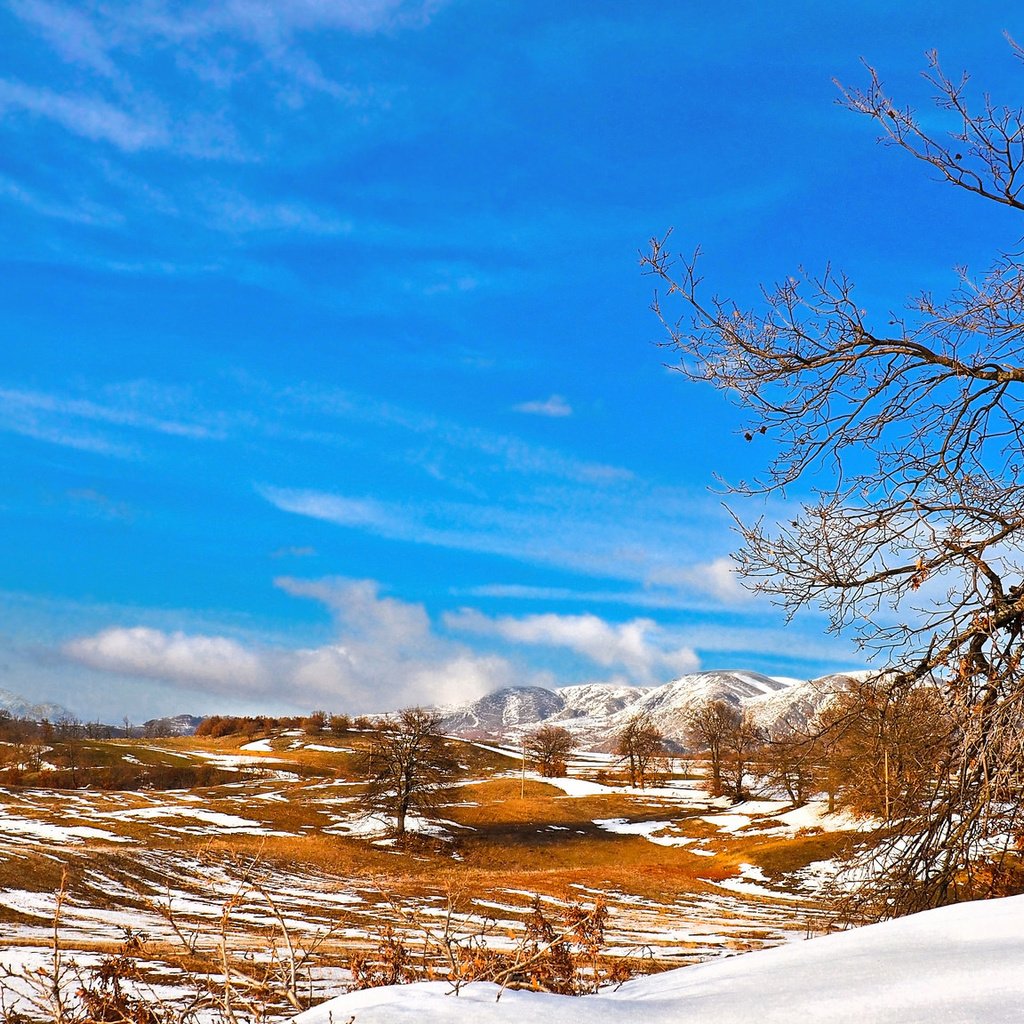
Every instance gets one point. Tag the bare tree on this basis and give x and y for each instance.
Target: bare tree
(641, 747)
(709, 725)
(407, 765)
(340, 724)
(548, 749)
(912, 427)
(882, 750)
(741, 746)
(789, 757)
(315, 723)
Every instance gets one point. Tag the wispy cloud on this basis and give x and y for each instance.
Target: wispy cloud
(100, 505)
(88, 116)
(218, 42)
(234, 212)
(294, 551)
(270, 22)
(649, 596)
(509, 452)
(68, 422)
(77, 211)
(626, 541)
(71, 31)
(554, 407)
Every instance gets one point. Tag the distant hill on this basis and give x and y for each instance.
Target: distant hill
(178, 725)
(22, 707)
(596, 712)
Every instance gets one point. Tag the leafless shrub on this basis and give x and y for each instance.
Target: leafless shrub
(563, 954)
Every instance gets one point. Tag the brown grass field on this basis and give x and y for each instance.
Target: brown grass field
(282, 845)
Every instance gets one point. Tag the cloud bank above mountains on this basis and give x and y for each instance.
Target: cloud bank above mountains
(387, 653)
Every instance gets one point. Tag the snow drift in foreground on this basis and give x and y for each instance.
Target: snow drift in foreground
(959, 965)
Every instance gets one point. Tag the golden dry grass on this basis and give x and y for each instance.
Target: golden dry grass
(528, 838)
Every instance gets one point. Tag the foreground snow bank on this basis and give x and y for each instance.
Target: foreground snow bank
(958, 965)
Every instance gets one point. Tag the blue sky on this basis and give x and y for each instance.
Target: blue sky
(329, 377)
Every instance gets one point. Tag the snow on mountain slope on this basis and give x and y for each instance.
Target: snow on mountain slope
(672, 706)
(796, 705)
(178, 725)
(958, 965)
(589, 700)
(501, 713)
(595, 713)
(22, 707)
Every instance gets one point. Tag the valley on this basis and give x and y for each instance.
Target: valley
(278, 863)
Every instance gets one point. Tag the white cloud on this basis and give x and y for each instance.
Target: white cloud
(718, 578)
(555, 406)
(214, 661)
(386, 656)
(640, 647)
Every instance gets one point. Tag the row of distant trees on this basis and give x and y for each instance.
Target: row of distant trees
(640, 747)
(316, 723)
(870, 750)
(866, 751)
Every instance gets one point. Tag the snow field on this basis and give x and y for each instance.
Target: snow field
(958, 965)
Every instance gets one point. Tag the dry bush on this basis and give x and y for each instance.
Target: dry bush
(562, 954)
(224, 980)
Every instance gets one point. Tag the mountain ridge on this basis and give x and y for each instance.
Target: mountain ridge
(21, 707)
(595, 713)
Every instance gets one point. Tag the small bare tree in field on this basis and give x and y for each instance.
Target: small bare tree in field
(641, 747)
(407, 765)
(710, 724)
(904, 435)
(789, 759)
(315, 723)
(548, 748)
(742, 745)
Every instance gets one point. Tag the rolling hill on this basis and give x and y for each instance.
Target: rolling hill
(595, 713)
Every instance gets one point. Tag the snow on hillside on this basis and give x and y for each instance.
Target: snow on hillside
(595, 713)
(22, 707)
(796, 705)
(501, 712)
(594, 699)
(178, 725)
(958, 965)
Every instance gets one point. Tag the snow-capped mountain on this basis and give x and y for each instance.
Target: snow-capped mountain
(595, 713)
(795, 706)
(21, 707)
(503, 712)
